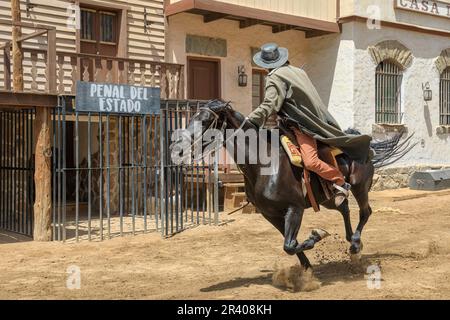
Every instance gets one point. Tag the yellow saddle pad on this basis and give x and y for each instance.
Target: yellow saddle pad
(294, 153)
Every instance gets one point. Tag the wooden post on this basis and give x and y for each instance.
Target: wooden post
(7, 66)
(51, 61)
(16, 47)
(42, 177)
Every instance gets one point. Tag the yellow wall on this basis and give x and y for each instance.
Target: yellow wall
(317, 9)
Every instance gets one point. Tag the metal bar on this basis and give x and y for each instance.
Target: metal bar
(2, 170)
(144, 141)
(133, 204)
(59, 179)
(77, 177)
(89, 176)
(22, 171)
(14, 170)
(161, 172)
(121, 175)
(54, 173)
(100, 156)
(216, 188)
(64, 172)
(108, 177)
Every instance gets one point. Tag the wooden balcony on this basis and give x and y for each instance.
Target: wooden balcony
(71, 67)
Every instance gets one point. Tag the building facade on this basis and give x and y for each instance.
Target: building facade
(371, 60)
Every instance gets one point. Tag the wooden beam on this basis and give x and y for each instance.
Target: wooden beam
(281, 28)
(251, 13)
(213, 17)
(32, 35)
(42, 230)
(27, 99)
(315, 33)
(26, 25)
(248, 23)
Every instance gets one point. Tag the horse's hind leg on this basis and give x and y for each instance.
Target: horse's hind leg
(362, 197)
(345, 211)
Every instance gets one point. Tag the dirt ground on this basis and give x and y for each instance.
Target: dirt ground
(407, 237)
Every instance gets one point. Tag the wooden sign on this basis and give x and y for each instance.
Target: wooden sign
(117, 98)
(437, 8)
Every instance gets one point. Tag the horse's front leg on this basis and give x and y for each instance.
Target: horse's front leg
(293, 221)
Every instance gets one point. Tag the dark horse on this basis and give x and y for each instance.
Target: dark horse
(279, 196)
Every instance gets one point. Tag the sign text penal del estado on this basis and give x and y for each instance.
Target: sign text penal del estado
(117, 98)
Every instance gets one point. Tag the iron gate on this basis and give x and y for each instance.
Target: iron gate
(112, 175)
(16, 171)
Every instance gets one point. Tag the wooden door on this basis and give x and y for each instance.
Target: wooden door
(203, 79)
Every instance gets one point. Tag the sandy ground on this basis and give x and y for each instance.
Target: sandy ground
(407, 237)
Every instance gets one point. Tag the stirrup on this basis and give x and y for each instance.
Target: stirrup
(343, 190)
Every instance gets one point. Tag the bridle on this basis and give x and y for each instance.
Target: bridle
(213, 125)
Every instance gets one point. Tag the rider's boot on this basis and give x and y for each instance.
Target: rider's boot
(342, 193)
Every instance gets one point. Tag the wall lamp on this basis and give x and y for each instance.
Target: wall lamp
(242, 76)
(427, 92)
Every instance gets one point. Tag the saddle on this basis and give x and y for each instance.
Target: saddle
(326, 153)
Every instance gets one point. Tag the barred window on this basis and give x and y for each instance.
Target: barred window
(444, 97)
(388, 84)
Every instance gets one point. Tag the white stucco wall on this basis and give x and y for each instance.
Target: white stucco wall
(344, 73)
(239, 43)
(330, 65)
(342, 70)
(419, 117)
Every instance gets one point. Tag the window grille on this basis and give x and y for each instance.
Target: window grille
(388, 83)
(444, 97)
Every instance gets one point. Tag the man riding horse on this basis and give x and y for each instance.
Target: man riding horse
(290, 93)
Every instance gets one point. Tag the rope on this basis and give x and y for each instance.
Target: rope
(238, 209)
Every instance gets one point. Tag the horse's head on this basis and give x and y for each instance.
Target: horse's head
(212, 116)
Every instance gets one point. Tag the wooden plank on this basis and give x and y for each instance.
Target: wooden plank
(26, 25)
(27, 99)
(248, 23)
(42, 230)
(213, 17)
(32, 35)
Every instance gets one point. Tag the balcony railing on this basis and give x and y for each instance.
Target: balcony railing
(71, 67)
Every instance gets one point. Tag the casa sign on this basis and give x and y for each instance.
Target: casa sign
(437, 8)
(117, 98)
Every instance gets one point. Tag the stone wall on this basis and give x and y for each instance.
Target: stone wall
(395, 178)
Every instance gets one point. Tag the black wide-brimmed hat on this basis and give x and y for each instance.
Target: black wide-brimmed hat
(271, 56)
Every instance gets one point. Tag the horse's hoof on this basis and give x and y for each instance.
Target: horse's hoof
(355, 257)
(356, 247)
(320, 233)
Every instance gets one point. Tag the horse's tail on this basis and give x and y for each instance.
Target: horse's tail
(391, 150)
(388, 151)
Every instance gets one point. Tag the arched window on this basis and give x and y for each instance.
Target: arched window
(444, 98)
(388, 84)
